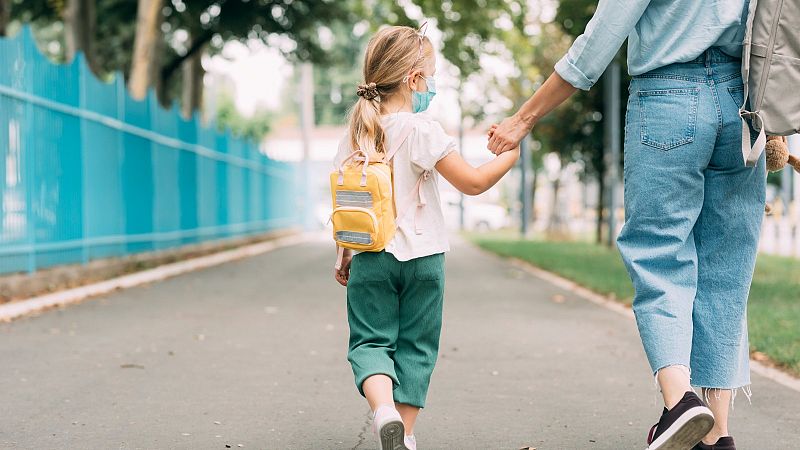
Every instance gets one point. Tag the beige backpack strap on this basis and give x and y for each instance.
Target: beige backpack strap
(396, 144)
(339, 257)
(416, 196)
(750, 153)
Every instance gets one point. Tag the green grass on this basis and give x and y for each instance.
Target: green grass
(773, 311)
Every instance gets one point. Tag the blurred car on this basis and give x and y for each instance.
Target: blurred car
(479, 214)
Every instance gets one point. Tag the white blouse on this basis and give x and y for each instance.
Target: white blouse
(421, 230)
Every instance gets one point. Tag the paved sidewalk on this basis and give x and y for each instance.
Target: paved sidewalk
(253, 353)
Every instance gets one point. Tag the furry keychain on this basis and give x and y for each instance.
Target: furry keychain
(778, 156)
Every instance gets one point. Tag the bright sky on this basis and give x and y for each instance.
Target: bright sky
(258, 73)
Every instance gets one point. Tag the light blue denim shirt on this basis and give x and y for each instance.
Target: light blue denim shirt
(659, 32)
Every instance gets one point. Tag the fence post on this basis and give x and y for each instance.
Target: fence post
(82, 74)
(29, 161)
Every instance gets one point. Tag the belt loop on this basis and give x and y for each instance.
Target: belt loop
(709, 63)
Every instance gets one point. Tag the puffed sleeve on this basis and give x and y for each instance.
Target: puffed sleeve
(592, 51)
(343, 151)
(429, 143)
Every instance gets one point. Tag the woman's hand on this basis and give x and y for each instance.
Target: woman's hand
(508, 134)
(343, 275)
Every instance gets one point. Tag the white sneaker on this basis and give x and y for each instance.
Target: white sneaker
(411, 442)
(389, 428)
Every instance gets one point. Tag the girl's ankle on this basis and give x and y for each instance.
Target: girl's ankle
(389, 406)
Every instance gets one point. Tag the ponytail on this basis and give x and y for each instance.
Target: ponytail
(391, 54)
(366, 131)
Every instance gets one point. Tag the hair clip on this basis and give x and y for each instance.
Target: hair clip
(422, 29)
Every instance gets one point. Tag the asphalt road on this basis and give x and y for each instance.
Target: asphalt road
(252, 354)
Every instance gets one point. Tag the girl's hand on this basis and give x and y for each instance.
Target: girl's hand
(343, 274)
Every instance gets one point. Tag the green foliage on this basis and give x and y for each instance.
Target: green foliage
(573, 15)
(220, 21)
(578, 130)
(253, 128)
(465, 38)
(208, 23)
(115, 29)
(335, 84)
(469, 26)
(574, 131)
(775, 178)
(773, 311)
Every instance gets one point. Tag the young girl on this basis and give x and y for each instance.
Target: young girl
(394, 297)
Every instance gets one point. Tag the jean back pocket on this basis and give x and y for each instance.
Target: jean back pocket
(668, 117)
(737, 94)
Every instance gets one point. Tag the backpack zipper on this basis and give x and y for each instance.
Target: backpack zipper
(359, 209)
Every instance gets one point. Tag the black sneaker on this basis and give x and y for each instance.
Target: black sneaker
(681, 427)
(723, 443)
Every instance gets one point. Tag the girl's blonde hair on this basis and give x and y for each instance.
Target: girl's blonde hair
(392, 54)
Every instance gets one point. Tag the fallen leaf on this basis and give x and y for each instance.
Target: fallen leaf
(131, 366)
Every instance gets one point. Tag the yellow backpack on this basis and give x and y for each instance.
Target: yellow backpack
(363, 202)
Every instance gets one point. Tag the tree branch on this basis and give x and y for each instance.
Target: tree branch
(201, 40)
(5, 14)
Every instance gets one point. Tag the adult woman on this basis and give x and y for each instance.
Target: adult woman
(693, 209)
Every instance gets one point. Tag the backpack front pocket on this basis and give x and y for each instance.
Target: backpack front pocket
(355, 227)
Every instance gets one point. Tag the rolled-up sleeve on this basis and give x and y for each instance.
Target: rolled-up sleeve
(592, 51)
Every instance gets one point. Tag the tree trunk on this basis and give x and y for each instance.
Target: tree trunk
(163, 88)
(535, 180)
(197, 46)
(145, 47)
(80, 21)
(554, 227)
(601, 197)
(192, 88)
(5, 15)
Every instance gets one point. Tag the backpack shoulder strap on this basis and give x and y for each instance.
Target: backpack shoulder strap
(396, 144)
(750, 153)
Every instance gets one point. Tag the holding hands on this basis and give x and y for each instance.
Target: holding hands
(508, 134)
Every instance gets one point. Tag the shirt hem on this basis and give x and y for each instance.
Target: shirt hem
(422, 254)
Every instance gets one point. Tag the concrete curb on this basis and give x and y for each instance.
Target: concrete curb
(760, 368)
(16, 309)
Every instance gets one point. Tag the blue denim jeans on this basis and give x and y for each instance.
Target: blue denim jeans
(693, 216)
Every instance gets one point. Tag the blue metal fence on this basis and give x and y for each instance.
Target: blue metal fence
(86, 172)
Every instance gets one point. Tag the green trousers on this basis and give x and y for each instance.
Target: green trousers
(394, 309)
